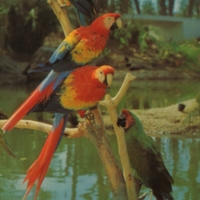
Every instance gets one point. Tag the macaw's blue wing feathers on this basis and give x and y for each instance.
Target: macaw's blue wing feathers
(84, 7)
(58, 117)
(81, 19)
(60, 78)
(58, 60)
(40, 94)
(42, 67)
(63, 49)
(48, 80)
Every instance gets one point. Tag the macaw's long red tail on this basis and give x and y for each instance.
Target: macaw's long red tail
(41, 93)
(38, 169)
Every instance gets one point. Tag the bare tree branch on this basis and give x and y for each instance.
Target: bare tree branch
(122, 91)
(98, 137)
(46, 128)
(62, 16)
(110, 104)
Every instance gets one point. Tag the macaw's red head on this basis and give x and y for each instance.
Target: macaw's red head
(104, 74)
(125, 119)
(107, 22)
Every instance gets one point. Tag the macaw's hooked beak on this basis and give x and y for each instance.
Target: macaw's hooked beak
(121, 120)
(117, 24)
(108, 79)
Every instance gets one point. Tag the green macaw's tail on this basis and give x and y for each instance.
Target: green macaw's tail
(6, 147)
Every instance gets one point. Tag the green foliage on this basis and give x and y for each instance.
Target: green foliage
(148, 7)
(143, 39)
(125, 35)
(26, 24)
(133, 34)
(185, 55)
(183, 8)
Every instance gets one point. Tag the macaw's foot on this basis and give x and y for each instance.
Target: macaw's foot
(90, 117)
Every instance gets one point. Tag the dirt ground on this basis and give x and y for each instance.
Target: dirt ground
(168, 120)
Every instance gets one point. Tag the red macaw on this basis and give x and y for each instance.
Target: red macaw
(83, 45)
(80, 47)
(81, 90)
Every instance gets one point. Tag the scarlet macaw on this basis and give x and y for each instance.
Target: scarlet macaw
(80, 47)
(145, 158)
(81, 90)
(83, 45)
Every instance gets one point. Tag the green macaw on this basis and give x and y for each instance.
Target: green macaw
(145, 158)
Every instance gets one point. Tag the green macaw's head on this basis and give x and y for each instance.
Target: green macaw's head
(127, 120)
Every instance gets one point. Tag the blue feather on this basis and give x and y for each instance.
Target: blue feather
(81, 19)
(48, 80)
(60, 78)
(60, 54)
(57, 119)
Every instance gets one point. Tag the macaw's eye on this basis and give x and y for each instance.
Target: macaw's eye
(132, 119)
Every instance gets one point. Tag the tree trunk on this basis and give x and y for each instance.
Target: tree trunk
(99, 139)
(137, 5)
(162, 7)
(171, 6)
(190, 8)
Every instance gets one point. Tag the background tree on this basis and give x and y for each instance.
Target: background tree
(171, 7)
(162, 7)
(190, 8)
(148, 7)
(137, 6)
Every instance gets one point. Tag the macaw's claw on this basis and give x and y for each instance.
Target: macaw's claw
(90, 116)
(8, 149)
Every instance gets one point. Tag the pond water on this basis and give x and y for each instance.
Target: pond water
(144, 94)
(76, 172)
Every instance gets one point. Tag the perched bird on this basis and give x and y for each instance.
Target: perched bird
(145, 158)
(80, 47)
(83, 7)
(83, 45)
(81, 90)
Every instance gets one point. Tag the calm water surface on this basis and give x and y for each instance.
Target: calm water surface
(76, 172)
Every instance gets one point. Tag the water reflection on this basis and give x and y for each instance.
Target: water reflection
(182, 160)
(76, 171)
(144, 94)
